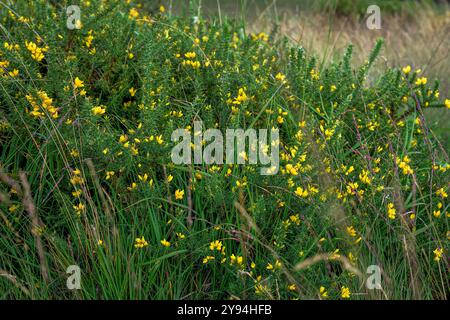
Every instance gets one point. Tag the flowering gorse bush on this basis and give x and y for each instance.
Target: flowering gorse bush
(88, 115)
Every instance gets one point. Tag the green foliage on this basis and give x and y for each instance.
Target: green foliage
(359, 8)
(89, 116)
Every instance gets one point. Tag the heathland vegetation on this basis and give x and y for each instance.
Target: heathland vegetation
(86, 177)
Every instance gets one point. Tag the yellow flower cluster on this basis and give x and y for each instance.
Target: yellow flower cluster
(165, 243)
(140, 243)
(37, 53)
(237, 260)
(88, 42)
(260, 36)
(179, 194)
(438, 252)
(364, 177)
(421, 81)
(98, 110)
(345, 293)
(11, 46)
(404, 165)
(216, 245)
(301, 192)
(392, 213)
(46, 103)
(275, 266)
(190, 60)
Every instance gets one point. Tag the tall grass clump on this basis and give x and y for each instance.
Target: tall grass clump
(86, 178)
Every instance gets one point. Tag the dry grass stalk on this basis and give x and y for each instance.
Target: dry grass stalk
(328, 257)
(36, 224)
(14, 281)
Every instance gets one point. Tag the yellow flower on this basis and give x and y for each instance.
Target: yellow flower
(215, 245)
(335, 255)
(14, 73)
(323, 292)
(280, 77)
(351, 231)
(301, 192)
(407, 70)
(179, 194)
(79, 208)
(345, 293)
(441, 192)
(132, 91)
(421, 81)
(133, 13)
(77, 193)
(242, 96)
(180, 235)
(207, 259)
(47, 104)
(159, 139)
(404, 165)
(100, 242)
(391, 211)
(36, 52)
(190, 55)
(143, 178)
(236, 259)
(140, 243)
(447, 103)
(78, 24)
(165, 243)
(123, 138)
(13, 208)
(11, 46)
(364, 177)
(242, 184)
(292, 287)
(78, 83)
(295, 219)
(438, 252)
(88, 39)
(133, 186)
(198, 176)
(109, 174)
(260, 289)
(277, 265)
(314, 74)
(74, 153)
(98, 110)
(193, 64)
(291, 169)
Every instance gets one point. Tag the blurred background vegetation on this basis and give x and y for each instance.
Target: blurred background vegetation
(355, 8)
(416, 33)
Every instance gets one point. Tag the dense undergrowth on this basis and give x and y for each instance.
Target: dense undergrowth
(86, 118)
